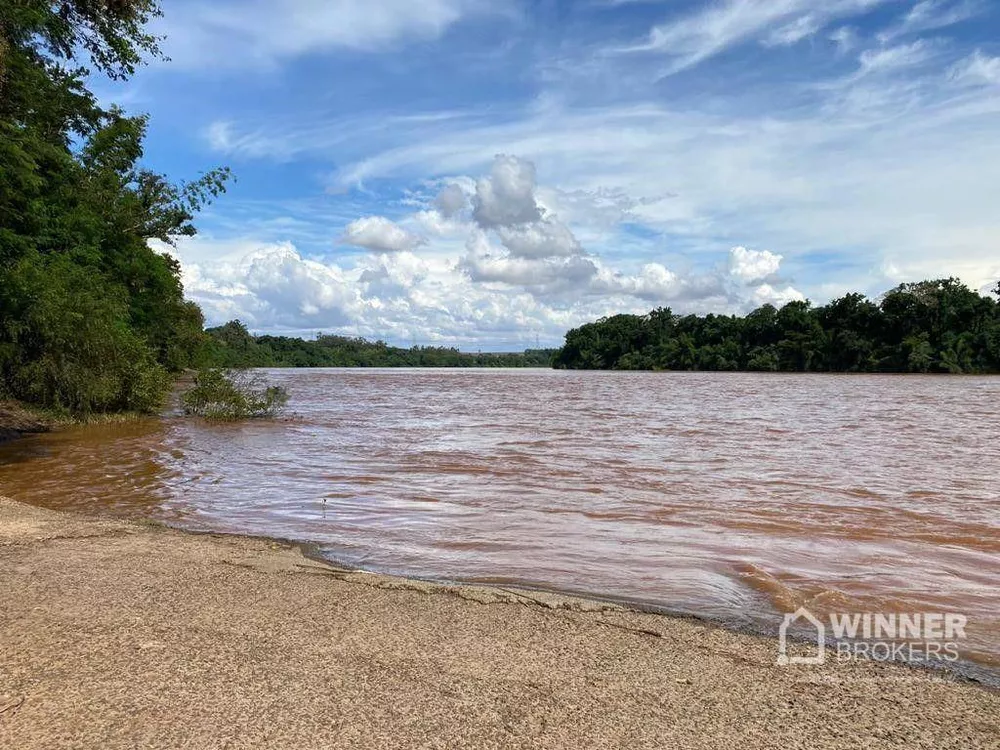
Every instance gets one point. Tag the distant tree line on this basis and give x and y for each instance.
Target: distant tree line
(232, 345)
(932, 326)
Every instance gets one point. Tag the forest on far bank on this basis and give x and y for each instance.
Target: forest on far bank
(232, 345)
(937, 326)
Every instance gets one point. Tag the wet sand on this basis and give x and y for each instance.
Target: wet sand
(122, 634)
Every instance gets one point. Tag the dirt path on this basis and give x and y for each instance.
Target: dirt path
(116, 635)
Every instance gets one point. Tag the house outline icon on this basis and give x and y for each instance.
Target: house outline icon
(783, 658)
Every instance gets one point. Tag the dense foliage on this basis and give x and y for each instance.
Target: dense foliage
(91, 318)
(233, 394)
(932, 326)
(232, 345)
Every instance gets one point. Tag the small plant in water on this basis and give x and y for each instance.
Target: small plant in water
(233, 394)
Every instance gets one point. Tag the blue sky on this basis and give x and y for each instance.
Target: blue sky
(489, 174)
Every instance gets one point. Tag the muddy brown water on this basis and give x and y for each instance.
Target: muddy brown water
(723, 495)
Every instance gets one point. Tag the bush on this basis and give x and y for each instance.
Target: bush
(233, 394)
(67, 345)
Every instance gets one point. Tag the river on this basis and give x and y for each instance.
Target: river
(733, 496)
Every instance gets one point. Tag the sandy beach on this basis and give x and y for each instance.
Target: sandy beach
(117, 634)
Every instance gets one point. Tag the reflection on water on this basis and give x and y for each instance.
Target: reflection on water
(726, 495)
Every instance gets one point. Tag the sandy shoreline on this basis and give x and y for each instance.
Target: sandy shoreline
(122, 634)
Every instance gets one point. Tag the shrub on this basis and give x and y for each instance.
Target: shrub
(67, 345)
(233, 394)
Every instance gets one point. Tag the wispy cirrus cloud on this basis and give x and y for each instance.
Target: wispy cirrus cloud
(880, 60)
(977, 69)
(232, 34)
(930, 15)
(696, 37)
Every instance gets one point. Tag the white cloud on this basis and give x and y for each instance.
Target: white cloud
(538, 280)
(543, 277)
(884, 166)
(886, 59)
(928, 15)
(977, 69)
(399, 297)
(699, 36)
(269, 286)
(451, 201)
(752, 265)
(435, 224)
(380, 234)
(794, 32)
(220, 136)
(765, 294)
(507, 196)
(889, 167)
(231, 34)
(542, 254)
(656, 284)
(540, 239)
(845, 38)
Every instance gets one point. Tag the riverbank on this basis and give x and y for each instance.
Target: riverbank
(124, 634)
(17, 420)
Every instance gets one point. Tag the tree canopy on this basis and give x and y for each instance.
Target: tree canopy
(232, 345)
(930, 326)
(91, 318)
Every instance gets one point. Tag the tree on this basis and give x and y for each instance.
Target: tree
(929, 326)
(91, 318)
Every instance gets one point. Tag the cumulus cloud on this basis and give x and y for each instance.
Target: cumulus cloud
(497, 285)
(507, 196)
(451, 201)
(270, 286)
(655, 284)
(538, 252)
(399, 297)
(751, 266)
(486, 298)
(548, 238)
(393, 278)
(765, 294)
(551, 276)
(380, 234)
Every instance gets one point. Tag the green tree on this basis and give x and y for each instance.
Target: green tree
(929, 326)
(91, 317)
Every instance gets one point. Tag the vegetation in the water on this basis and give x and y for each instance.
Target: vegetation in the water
(92, 319)
(233, 394)
(232, 345)
(932, 326)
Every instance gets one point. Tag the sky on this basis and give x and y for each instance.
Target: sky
(490, 173)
